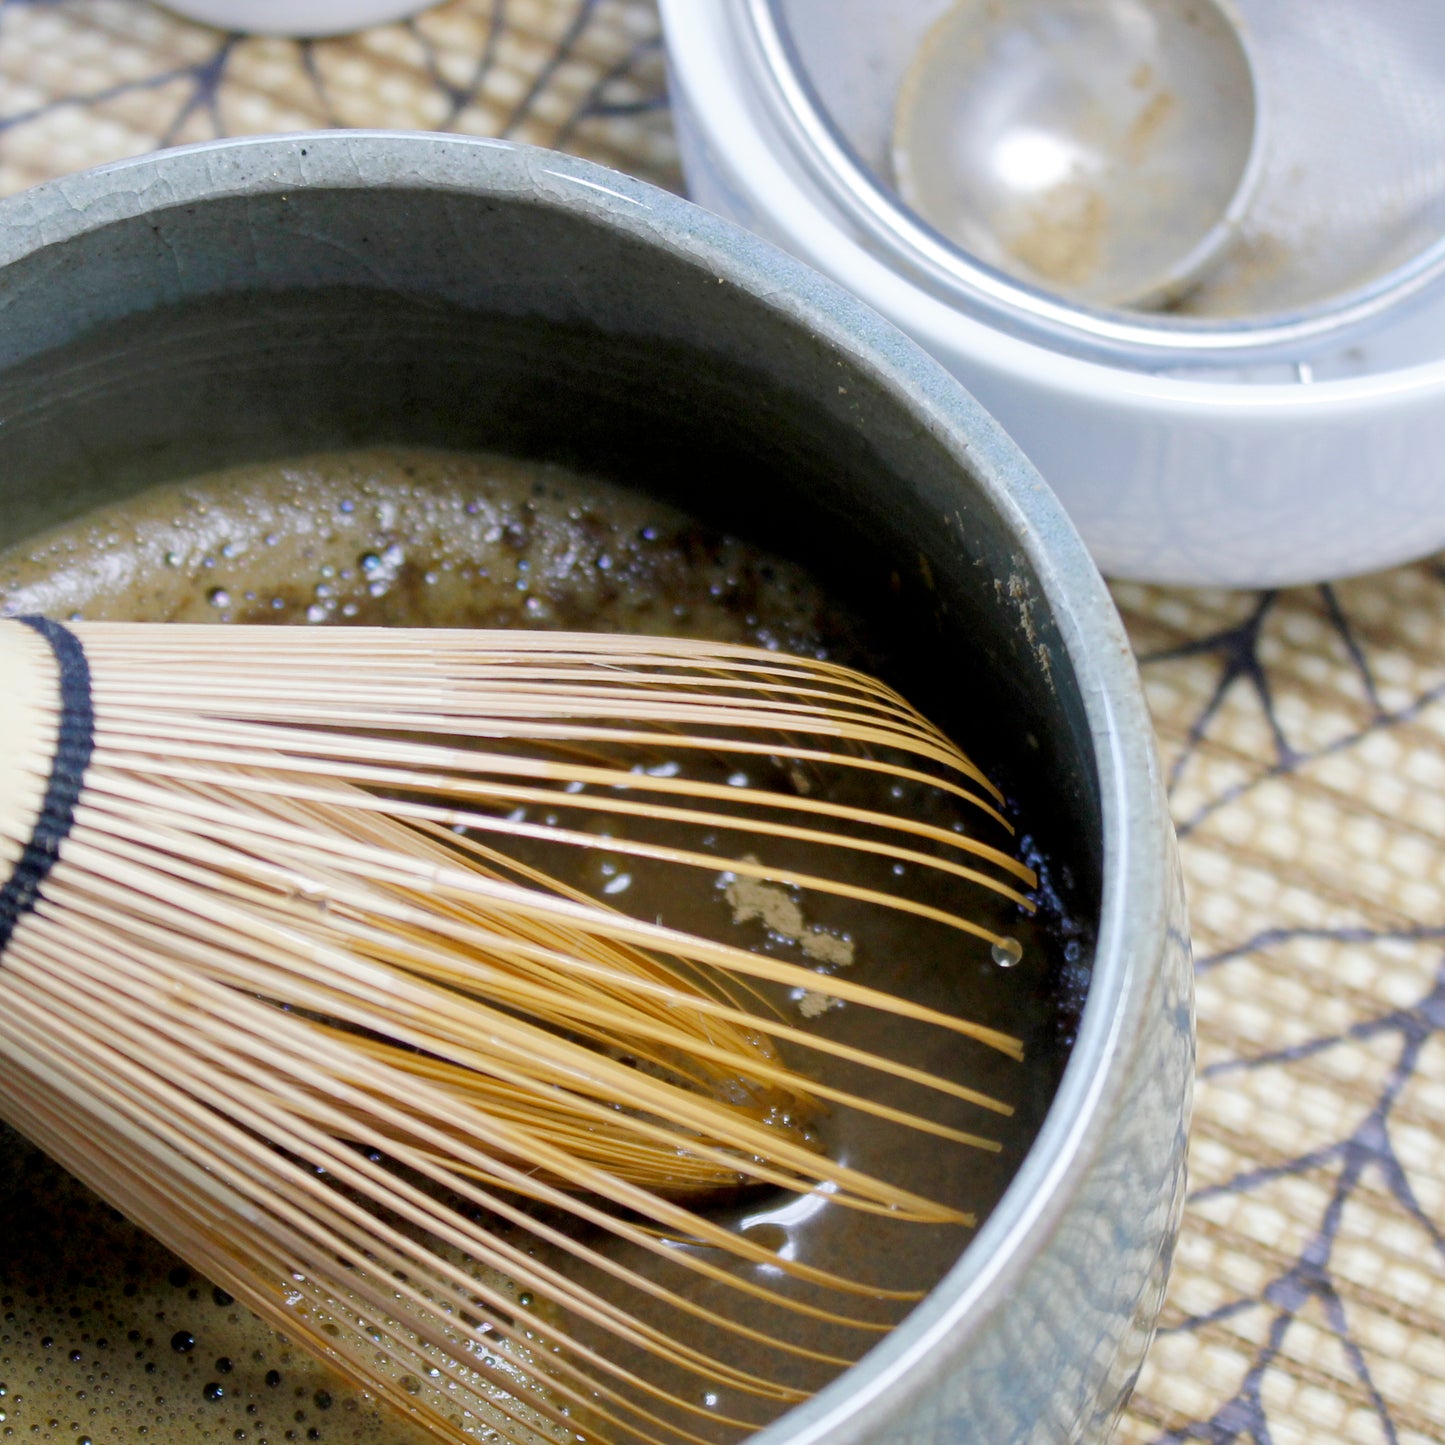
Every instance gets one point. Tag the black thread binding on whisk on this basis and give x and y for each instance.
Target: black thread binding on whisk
(67, 775)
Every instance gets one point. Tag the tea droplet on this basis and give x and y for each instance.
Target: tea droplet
(1007, 952)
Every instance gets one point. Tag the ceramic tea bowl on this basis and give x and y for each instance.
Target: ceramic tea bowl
(265, 297)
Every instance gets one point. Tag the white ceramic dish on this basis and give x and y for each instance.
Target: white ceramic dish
(296, 17)
(1313, 458)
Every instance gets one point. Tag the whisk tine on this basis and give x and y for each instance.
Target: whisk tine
(344, 1052)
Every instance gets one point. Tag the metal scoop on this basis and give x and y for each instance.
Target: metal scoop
(1103, 150)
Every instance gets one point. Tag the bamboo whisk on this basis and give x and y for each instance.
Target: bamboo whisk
(287, 977)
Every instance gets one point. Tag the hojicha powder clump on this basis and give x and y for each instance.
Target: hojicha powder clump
(417, 538)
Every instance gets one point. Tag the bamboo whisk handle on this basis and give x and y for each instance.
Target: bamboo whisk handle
(46, 736)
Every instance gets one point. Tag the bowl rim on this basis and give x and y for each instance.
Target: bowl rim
(1137, 876)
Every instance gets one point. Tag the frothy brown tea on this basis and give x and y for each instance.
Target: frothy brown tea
(108, 1338)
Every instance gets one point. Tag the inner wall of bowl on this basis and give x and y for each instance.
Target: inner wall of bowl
(278, 322)
(266, 325)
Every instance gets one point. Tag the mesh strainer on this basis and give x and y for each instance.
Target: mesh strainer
(1100, 149)
(1347, 215)
(1352, 191)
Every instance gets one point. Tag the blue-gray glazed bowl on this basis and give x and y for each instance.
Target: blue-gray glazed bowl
(269, 296)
